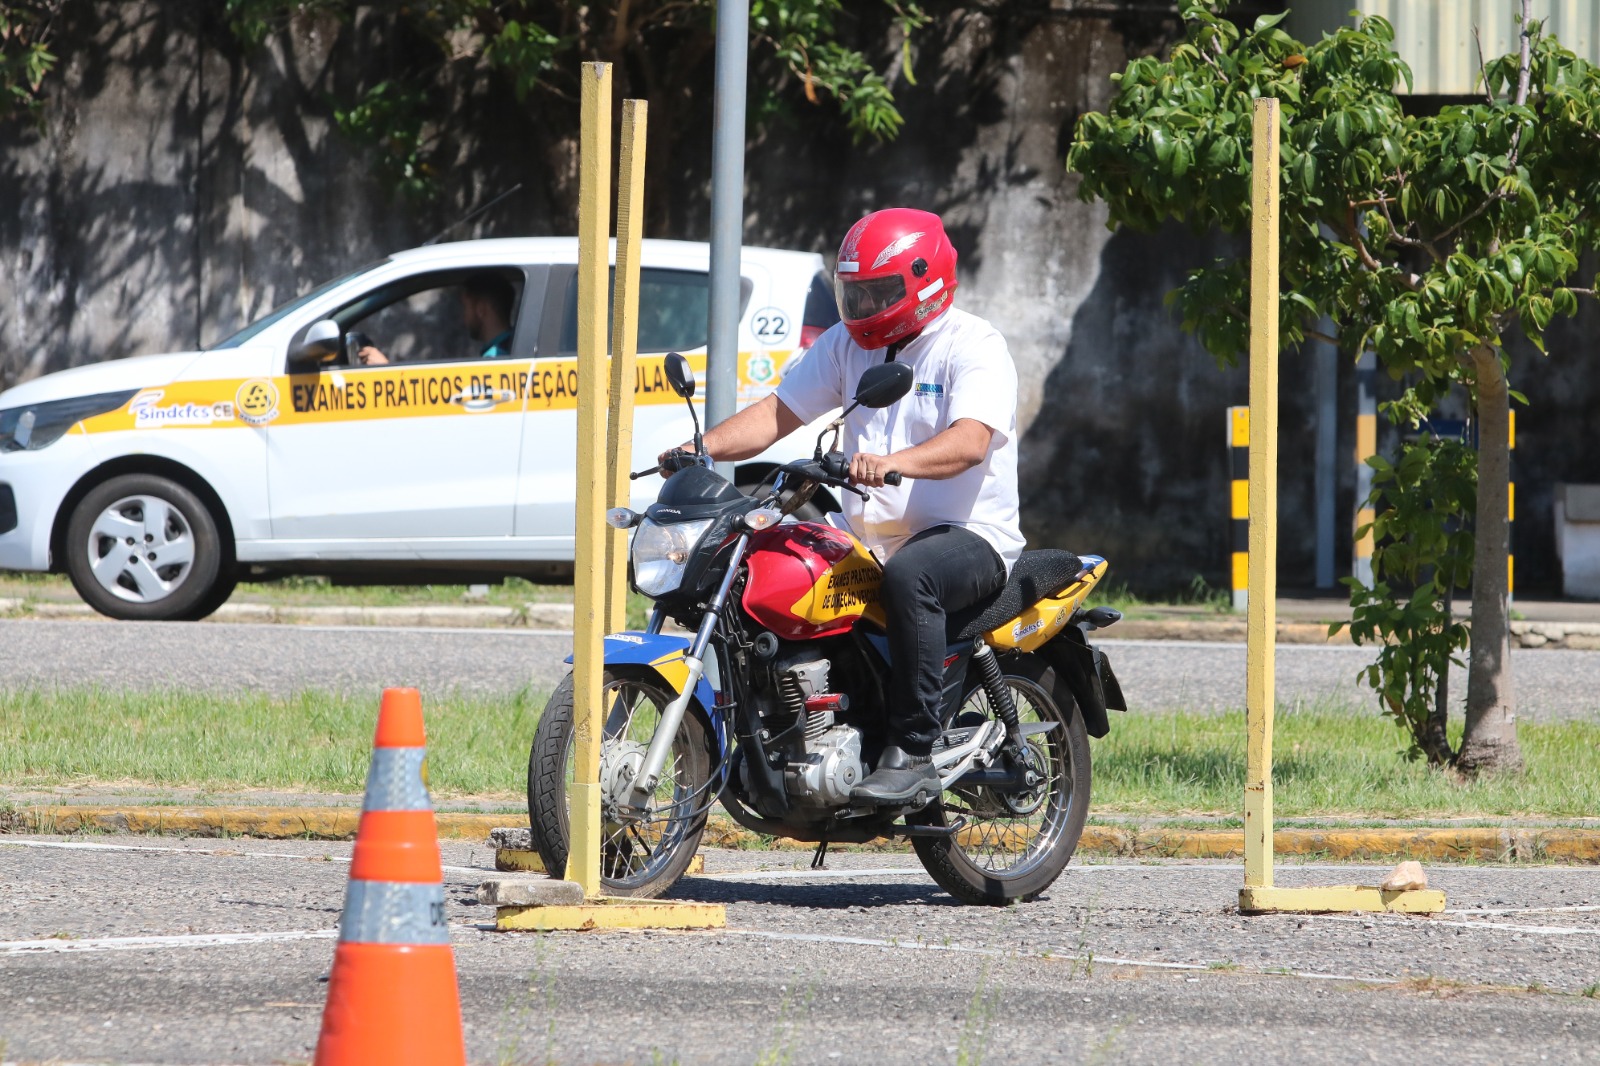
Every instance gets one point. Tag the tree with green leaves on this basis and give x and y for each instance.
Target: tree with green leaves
(659, 50)
(1427, 239)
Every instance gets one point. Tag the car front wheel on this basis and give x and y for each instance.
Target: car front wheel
(143, 548)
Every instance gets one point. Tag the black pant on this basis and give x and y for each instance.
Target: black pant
(942, 569)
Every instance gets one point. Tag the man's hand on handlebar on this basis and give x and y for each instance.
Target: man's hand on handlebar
(873, 471)
(670, 461)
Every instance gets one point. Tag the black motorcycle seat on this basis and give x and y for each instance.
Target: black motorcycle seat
(1037, 574)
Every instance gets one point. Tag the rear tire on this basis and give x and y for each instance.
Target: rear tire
(1003, 857)
(646, 858)
(141, 547)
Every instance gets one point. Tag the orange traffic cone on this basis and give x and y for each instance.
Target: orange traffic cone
(392, 996)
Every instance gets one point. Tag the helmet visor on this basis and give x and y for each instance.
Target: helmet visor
(863, 298)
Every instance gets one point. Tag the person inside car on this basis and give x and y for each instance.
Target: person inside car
(487, 300)
(949, 534)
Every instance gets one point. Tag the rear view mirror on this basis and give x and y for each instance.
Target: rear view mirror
(883, 384)
(680, 375)
(319, 345)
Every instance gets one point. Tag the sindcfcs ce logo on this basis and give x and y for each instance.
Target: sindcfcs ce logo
(257, 401)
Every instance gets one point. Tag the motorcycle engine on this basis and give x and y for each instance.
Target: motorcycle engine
(823, 757)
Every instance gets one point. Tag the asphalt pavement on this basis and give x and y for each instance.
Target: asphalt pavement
(282, 659)
(169, 951)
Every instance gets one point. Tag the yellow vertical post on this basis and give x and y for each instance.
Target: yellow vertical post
(624, 347)
(1511, 513)
(1263, 497)
(588, 613)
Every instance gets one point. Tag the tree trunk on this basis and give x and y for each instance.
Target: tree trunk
(1490, 744)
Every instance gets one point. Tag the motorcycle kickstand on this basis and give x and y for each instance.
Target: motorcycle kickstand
(819, 858)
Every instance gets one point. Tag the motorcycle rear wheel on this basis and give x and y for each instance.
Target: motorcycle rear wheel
(1006, 852)
(638, 858)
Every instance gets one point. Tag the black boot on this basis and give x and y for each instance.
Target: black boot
(899, 778)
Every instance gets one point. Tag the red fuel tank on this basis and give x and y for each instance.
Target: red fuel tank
(809, 580)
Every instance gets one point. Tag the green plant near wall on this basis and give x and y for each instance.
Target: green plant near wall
(26, 30)
(1422, 504)
(537, 44)
(1427, 239)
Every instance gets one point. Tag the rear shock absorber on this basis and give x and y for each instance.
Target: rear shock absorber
(999, 692)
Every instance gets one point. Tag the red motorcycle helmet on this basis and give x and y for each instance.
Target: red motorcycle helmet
(896, 273)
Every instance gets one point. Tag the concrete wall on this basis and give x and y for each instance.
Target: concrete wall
(182, 186)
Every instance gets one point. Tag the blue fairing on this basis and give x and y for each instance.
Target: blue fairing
(647, 649)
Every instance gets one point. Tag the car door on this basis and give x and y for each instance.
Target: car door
(673, 305)
(416, 457)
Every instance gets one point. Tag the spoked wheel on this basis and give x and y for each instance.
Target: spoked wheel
(1014, 845)
(639, 856)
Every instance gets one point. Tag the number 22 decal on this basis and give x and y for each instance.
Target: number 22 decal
(770, 325)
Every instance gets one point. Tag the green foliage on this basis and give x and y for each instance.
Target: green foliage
(533, 43)
(1423, 238)
(1421, 506)
(390, 116)
(1420, 236)
(26, 27)
(803, 35)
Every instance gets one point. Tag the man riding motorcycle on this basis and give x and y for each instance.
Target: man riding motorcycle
(948, 535)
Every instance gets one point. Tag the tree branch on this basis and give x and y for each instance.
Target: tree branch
(1586, 292)
(1483, 68)
(1318, 335)
(1524, 66)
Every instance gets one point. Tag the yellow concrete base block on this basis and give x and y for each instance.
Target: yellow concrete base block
(606, 912)
(1337, 898)
(530, 862)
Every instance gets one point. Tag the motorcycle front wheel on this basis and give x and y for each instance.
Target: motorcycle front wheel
(1013, 846)
(639, 857)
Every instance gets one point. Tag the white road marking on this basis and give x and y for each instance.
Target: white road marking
(227, 853)
(1524, 910)
(135, 943)
(1154, 964)
(1502, 927)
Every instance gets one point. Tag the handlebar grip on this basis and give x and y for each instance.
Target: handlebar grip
(892, 478)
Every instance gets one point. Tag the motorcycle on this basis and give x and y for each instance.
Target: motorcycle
(774, 706)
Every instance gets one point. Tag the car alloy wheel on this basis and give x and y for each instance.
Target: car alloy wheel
(141, 549)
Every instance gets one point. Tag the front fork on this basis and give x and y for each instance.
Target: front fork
(649, 775)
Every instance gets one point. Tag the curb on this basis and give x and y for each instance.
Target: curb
(524, 616)
(1575, 846)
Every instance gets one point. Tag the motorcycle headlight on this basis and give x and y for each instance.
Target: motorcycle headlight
(660, 553)
(27, 429)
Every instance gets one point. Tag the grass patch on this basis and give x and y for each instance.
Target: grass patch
(314, 741)
(1328, 763)
(1332, 763)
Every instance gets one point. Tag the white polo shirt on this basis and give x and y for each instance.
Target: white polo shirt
(962, 369)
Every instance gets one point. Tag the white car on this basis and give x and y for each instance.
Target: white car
(156, 482)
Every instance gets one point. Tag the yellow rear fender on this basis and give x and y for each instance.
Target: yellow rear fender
(1039, 624)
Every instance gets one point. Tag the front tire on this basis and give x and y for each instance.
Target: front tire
(140, 547)
(1014, 847)
(640, 858)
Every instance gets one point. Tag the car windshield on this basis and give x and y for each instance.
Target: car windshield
(289, 308)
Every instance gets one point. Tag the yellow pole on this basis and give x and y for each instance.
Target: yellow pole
(594, 184)
(1263, 497)
(624, 347)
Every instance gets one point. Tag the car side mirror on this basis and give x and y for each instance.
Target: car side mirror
(680, 375)
(320, 344)
(883, 384)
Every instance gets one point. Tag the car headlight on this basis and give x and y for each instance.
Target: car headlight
(27, 429)
(660, 553)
